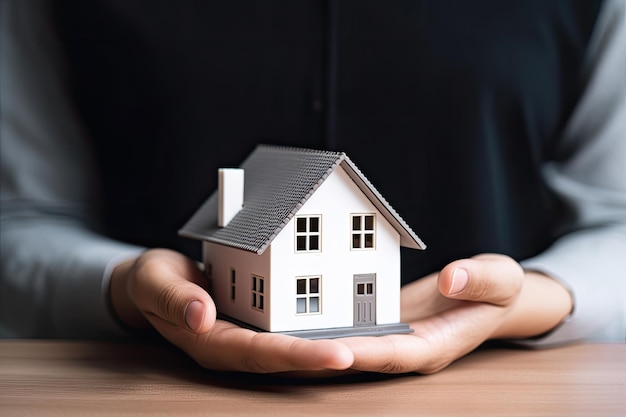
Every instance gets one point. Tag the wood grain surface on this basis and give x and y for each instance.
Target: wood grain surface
(73, 378)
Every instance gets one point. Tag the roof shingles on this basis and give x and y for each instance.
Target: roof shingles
(278, 181)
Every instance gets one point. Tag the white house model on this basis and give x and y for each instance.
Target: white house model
(298, 241)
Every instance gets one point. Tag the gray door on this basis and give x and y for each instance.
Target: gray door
(364, 299)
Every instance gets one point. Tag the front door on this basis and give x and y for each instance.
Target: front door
(364, 299)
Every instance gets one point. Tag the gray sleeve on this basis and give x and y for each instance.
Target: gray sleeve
(590, 257)
(52, 263)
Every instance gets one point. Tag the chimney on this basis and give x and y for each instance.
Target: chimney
(230, 194)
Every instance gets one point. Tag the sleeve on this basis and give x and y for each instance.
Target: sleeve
(590, 179)
(52, 262)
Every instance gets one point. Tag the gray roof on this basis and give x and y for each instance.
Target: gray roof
(278, 181)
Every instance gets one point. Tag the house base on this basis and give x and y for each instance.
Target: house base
(375, 330)
(335, 332)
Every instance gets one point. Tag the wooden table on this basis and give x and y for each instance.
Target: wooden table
(64, 378)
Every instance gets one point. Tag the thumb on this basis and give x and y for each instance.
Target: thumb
(489, 278)
(166, 287)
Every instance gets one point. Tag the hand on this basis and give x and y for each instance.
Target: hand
(164, 289)
(453, 312)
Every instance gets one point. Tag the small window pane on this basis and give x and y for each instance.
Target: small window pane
(369, 240)
(314, 305)
(300, 305)
(314, 284)
(360, 288)
(253, 300)
(314, 224)
(261, 307)
(356, 241)
(253, 284)
(356, 223)
(301, 224)
(314, 242)
(369, 222)
(301, 243)
(261, 285)
(301, 286)
(370, 288)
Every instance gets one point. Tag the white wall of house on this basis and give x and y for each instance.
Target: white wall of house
(222, 260)
(335, 200)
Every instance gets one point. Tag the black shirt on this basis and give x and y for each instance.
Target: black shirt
(450, 108)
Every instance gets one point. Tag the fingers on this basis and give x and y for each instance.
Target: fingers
(266, 352)
(489, 278)
(391, 354)
(167, 285)
(438, 341)
(229, 347)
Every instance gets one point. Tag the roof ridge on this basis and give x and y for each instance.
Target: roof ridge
(288, 148)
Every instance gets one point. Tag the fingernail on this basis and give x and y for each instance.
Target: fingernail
(460, 278)
(194, 314)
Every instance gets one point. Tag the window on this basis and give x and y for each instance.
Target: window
(365, 288)
(308, 292)
(308, 233)
(363, 231)
(258, 290)
(233, 282)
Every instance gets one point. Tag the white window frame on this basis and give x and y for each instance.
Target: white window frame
(307, 235)
(257, 287)
(306, 295)
(362, 232)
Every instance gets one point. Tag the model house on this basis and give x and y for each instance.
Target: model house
(298, 241)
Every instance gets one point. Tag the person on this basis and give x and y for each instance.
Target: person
(497, 131)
